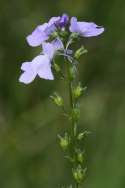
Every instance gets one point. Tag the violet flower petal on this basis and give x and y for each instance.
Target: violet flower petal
(63, 21)
(42, 32)
(57, 43)
(53, 20)
(28, 75)
(85, 29)
(74, 25)
(51, 27)
(37, 36)
(50, 49)
(44, 70)
(91, 32)
(40, 65)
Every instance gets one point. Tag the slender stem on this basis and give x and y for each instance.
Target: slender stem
(70, 94)
(74, 110)
(71, 97)
(73, 104)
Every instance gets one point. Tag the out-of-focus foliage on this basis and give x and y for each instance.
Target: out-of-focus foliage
(29, 123)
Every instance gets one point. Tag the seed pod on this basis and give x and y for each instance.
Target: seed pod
(64, 141)
(79, 173)
(80, 52)
(58, 100)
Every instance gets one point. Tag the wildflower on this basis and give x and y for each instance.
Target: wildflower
(62, 22)
(43, 32)
(41, 65)
(85, 29)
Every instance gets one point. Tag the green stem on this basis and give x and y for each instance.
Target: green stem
(70, 93)
(73, 104)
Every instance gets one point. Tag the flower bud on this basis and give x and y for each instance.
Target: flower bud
(64, 141)
(79, 174)
(80, 52)
(58, 100)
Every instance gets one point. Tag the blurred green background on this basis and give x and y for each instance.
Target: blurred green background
(29, 154)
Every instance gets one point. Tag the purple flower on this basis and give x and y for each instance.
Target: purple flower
(42, 32)
(41, 65)
(85, 29)
(37, 36)
(50, 49)
(63, 21)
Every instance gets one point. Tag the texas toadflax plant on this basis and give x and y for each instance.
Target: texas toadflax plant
(55, 39)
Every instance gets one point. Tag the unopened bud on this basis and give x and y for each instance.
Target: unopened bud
(64, 141)
(80, 52)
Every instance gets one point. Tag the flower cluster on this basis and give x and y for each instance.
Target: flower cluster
(48, 37)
